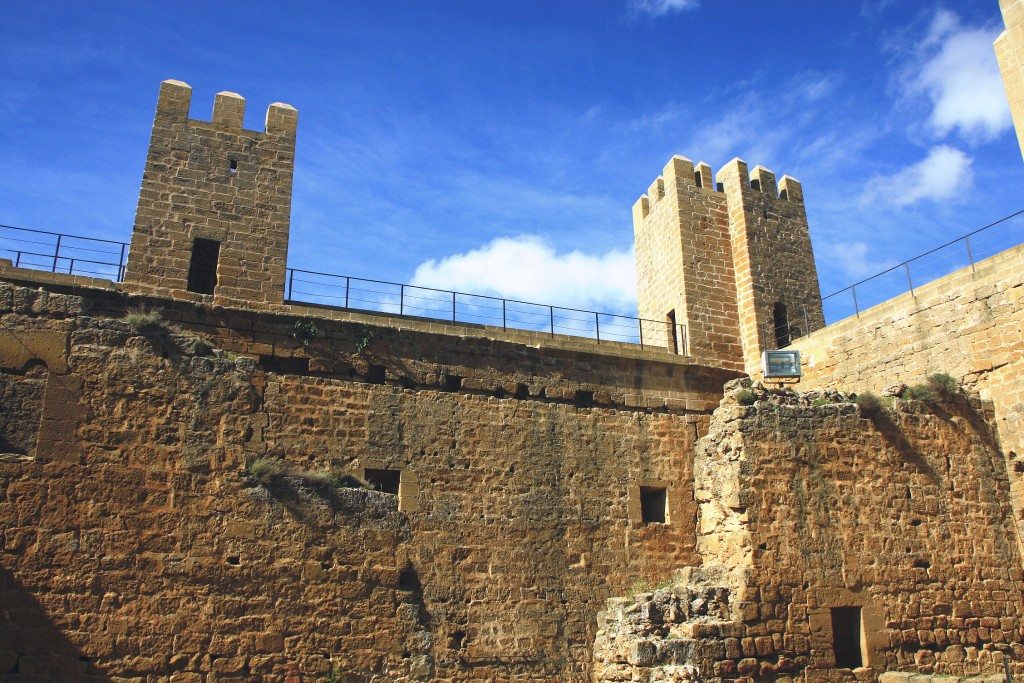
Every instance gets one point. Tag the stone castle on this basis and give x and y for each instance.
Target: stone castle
(179, 489)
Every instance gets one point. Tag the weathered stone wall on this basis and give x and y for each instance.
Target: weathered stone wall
(214, 181)
(806, 504)
(140, 543)
(969, 324)
(21, 403)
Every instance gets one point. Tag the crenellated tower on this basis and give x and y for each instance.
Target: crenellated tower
(685, 276)
(214, 210)
(729, 261)
(1009, 47)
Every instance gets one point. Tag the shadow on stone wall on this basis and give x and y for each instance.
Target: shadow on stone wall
(32, 646)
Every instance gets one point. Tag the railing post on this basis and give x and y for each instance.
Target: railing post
(17, 260)
(504, 324)
(291, 280)
(56, 254)
(597, 326)
(121, 264)
(71, 267)
(401, 299)
(453, 306)
(970, 256)
(910, 282)
(640, 325)
(856, 309)
(551, 310)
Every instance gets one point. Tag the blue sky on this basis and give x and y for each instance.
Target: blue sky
(498, 147)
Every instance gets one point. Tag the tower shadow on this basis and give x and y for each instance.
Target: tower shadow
(33, 646)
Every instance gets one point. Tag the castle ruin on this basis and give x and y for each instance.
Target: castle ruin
(180, 448)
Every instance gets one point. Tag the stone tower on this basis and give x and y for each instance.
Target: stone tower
(1009, 48)
(729, 262)
(214, 209)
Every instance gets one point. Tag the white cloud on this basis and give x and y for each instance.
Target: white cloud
(957, 70)
(656, 8)
(853, 259)
(943, 175)
(527, 268)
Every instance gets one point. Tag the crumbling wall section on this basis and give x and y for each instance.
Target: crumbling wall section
(810, 505)
(969, 324)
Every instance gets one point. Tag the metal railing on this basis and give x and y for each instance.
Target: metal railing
(70, 254)
(962, 252)
(61, 253)
(344, 291)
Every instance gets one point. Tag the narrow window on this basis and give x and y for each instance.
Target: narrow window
(233, 166)
(584, 399)
(698, 179)
(674, 332)
(202, 270)
(653, 505)
(755, 184)
(847, 637)
(784, 194)
(385, 481)
(376, 374)
(782, 336)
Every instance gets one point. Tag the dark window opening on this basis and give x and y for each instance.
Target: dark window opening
(782, 335)
(385, 481)
(697, 178)
(376, 374)
(233, 165)
(202, 270)
(719, 187)
(584, 399)
(755, 184)
(847, 637)
(653, 504)
(285, 365)
(784, 194)
(674, 333)
(452, 383)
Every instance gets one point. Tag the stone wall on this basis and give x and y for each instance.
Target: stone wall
(969, 324)
(808, 503)
(141, 547)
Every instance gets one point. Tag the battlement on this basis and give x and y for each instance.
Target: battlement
(682, 172)
(174, 102)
